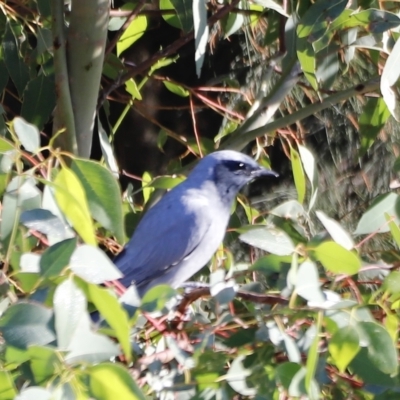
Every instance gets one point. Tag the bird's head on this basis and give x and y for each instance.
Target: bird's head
(230, 171)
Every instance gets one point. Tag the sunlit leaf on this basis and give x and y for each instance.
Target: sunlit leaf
(343, 346)
(7, 387)
(114, 314)
(201, 32)
(337, 232)
(111, 381)
(337, 259)
(134, 32)
(91, 264)
(69, 305)
(389, 78)
(176, 89)
(102, 193)
(27, 133)
(88, 346)
(271, 240)
(71, 199)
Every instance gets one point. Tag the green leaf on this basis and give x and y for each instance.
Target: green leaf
(146, 186)
(366, 370)
(114, 314)
(69, 304)
(27, 133)
(71, 199)
(374, 220)
(344, 346)
(45, 222)
(298, 174)
(272, 5)
(172, 19)
(310, 168)
(17, 69)
(39, 100)
(392, 282)
(111, 381)
(394, 230)
(312, 362)
(155, 298)
(44, 363)
(236, 377)
(327, 66)
(167, 182)
(297, 387)
(7, 387)
(241, 338)
(337, 232)
(21, 195)
(389, 79)
(201, 32)
(372, 120)
(272, 240)
(176, 89)
(232, 23)
(307, 283)
(135, 31)
(337, 259)
(25, 324)
(132, 88)
(102, 193)
(184, 13)
(285, 372)
(91, 264)
(381, 350)
(56, 258)
(89, 347)
(312, 27)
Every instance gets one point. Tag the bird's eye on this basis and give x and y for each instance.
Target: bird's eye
(235, 166)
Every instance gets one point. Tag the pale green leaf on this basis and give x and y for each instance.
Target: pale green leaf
(343, 346)
(337, 232)
(71, 199)
(114, 314)
(111, 381)
(337, 259)
(135, 31)
(298, 174)
(373, 220)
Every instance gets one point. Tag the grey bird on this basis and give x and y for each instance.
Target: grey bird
(179, 234)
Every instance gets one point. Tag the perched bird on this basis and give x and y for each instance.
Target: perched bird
(179, 235)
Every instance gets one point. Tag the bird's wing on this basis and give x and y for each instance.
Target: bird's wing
(166, 235)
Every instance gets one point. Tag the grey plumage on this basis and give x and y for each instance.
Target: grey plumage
(179, 235)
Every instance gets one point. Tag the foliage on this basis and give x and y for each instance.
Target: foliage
(315, 317)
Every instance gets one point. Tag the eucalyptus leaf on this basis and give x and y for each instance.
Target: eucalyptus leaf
(25, 324)
(111, 381)
(91, 264)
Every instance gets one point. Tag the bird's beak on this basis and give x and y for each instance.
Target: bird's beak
(261, 171)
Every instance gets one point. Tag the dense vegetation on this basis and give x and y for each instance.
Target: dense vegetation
(309, 311)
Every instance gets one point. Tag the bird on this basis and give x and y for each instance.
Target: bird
(179, 235)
